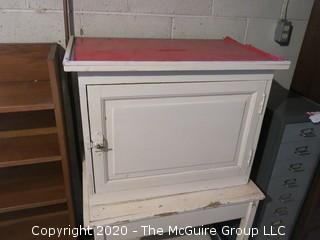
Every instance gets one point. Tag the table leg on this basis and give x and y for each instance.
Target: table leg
(247, 221)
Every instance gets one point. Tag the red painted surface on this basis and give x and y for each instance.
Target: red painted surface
(121, 49)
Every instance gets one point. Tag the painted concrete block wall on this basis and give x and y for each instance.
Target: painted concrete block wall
(248, 21)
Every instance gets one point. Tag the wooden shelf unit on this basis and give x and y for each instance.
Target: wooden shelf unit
(14, 226)
(28, 138)
(27, 120)
(34, 157)
(27, 150)
(25, 96)
(24, 188)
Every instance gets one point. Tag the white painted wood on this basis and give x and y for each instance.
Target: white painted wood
(85, 193)
(86, 133)
(258, 129)
(179, 77)
(170, 142)
(205, 133)
(102, 212)
(247, 221)
(198, 208)
(167, 190)
(181, 210)
(182, 220)
(111, 66)
(86, 80)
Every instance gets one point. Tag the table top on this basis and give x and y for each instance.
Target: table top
(100, 212)
(127, 54)
(121, 49)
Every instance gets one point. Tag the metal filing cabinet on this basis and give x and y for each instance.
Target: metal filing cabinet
(287, 154)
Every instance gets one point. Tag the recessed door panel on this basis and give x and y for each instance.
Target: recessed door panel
(147, 135)
(173, 134)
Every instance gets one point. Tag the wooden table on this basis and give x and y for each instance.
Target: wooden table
(180, 210)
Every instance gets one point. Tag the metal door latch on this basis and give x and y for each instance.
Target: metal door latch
(100, 147)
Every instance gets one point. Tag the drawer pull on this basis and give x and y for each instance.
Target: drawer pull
(307, 133)
(302, 151)
(284, 198)
(277, 223)
(290, 183)
(281, 211)
(296, 167)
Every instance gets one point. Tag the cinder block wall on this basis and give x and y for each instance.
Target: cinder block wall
(248, 21)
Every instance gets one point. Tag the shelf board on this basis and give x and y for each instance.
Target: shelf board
(27, 150)
(20, 224)
(31, 186)
(30, 161)
(27, 120)
(25, 96)
(27, 132)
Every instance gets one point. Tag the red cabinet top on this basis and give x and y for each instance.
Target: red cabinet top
(121, 49)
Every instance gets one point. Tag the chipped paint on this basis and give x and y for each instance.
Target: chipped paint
(213, 205)
(104, 213)
(121, 223)
(166, 214)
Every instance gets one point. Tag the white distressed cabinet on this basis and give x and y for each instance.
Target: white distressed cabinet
(168, 134)
(166, 117)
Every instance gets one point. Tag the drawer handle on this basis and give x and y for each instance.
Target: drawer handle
(281, 211)
(284, 198)
(277, 223)
(296, 167)
(290, 183)
(307, 133)
(302, 151)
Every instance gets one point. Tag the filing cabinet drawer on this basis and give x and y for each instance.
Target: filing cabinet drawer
(285, 197)
(286, 231)
(288, 185)
(275, 223)
(275, 210)
(301, 132)
(297, 158)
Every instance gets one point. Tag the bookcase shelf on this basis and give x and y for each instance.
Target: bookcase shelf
(35, 183)
(27, 150)
(35, 186)
(25, 96)
(27, 132)
(27, 120)
(18, 224)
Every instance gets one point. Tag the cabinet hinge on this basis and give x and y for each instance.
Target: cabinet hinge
(263, 102)
(250, 159)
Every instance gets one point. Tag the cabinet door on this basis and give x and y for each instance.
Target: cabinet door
(147, 135)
